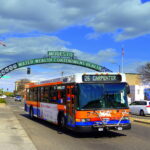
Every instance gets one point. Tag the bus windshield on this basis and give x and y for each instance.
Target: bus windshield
(102, 96)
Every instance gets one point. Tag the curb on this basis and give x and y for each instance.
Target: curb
(140, 120)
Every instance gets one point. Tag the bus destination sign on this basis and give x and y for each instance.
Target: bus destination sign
(101, 78)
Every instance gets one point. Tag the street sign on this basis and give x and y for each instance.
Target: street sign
(61, 54)
(61, 57)
(60, 60)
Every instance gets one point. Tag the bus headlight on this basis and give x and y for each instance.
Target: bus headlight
(125, 118)
(85, 120)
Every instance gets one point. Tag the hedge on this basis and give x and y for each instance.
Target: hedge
(2, 100)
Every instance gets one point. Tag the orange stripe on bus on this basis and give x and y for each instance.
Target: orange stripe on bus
(92, 114)
(61, 107)
(45, 84)
(36, 104)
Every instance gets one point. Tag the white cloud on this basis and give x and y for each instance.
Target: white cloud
(108, 55)
(52, 15)
(28, 48)
(4, 62)
(131, 17)
(19, 49)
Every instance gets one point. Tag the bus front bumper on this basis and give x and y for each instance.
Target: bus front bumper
(102, 128)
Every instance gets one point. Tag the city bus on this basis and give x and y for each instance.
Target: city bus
(83, 102)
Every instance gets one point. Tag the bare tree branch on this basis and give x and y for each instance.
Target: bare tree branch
(145, 72)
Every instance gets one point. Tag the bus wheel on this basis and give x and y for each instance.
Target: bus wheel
(31, 113)
(62, 122)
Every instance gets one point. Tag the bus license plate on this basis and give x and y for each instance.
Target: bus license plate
(100, 129)
(119, 128)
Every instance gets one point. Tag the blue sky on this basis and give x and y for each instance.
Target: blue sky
(144, 1)
(95, 33)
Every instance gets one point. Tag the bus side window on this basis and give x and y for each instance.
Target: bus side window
(31, 94)
(27, 95)
(72, 94)
(61, 94)
(46, 94)
(39, 94)
(53, 94)
(50, 92)
(35, 94)
(42, 93)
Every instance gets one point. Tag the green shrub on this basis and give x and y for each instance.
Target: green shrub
(2, 100)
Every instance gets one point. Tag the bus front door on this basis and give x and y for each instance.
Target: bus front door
(70, 109)
(38, 100)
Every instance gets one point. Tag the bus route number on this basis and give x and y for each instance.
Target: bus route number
(101, 78)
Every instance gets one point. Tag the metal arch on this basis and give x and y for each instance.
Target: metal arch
(76, 62)
(8, 69)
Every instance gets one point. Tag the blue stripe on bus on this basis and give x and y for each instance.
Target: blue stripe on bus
(35, 110)
(58, 101)
(70, 124)
(39, 114)
(100, 122)
(68, 98)
(27, 108)
(84, 123)
(117, 121)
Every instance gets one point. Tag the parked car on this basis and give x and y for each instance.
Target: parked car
(3, 96)
(18, 98)
(140, 108)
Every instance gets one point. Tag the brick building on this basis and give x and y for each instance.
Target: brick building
(20, 86)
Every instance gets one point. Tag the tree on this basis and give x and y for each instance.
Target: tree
(9, 93)
(145, 72)
(1, 92)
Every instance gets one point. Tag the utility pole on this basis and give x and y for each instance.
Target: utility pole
(122, 54)
(62, 73)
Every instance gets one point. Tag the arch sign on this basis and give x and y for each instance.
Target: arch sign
(62, 57)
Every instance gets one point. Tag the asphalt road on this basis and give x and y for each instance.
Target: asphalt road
(46, 136)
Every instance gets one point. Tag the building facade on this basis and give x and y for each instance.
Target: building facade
(136, 87)
(20, 86)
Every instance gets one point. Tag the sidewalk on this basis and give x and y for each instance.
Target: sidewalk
(140, 120)
(12, 134)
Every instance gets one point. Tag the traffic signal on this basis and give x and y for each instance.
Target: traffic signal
(28, 70)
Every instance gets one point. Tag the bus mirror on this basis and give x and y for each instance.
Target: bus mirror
(128, 89)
